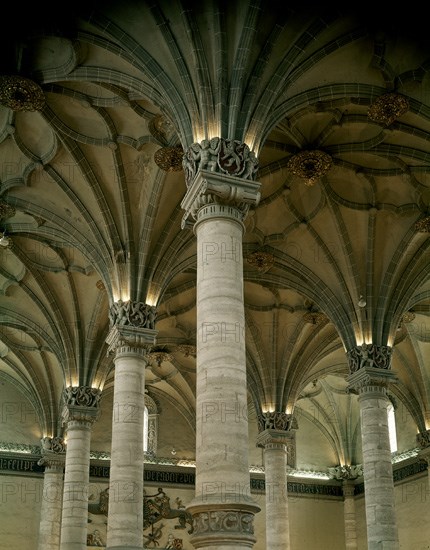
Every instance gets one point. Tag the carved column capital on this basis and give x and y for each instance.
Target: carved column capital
(132, 328)
(346, 472)
(53, 450)
(371, 380)
(277, 420)
(277, 431)
(81, 404)
(423, 441)
(224, 156)
(273, 439)
(369, 355)
(214, 195)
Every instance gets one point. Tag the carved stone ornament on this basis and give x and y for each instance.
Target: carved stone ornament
(310, 165)
(277, 421)
(423, 225)
(53, 445)
(342, 473)
(20, 93)
(369, 355)
(6, 210)
(135, 314)
(423, 439)
(169, 159)
(188, 350)
(262, 261)
(82, 396)
(223, 521)
(227, 156)
(388, 108)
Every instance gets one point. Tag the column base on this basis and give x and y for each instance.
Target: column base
(222, 525)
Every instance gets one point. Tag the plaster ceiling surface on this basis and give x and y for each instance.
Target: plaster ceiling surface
(92, 217)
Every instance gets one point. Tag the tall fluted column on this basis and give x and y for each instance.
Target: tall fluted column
(81, 410)
(370, 377)
(276, 430)
(53, 458)
(131, 337)
(223, 510)
(347, 474)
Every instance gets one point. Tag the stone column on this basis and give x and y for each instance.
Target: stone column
(131, 338)
(347, 474)
(276, 430)
(53, 458)
(81, 410)
(370, 377)
(222, 510)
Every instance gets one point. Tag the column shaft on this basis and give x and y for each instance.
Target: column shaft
(51, 506)
(125, 518)
(222, 426)
(223, 510)
(378, 471)
(76, 481)
(277, 521)
(349, 517)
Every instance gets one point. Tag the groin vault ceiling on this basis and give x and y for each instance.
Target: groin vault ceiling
(336, 106)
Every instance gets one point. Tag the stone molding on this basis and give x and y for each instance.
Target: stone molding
(130, 340)
(218, 195)
(371, 380)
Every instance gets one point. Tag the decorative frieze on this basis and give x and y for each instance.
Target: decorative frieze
(369, 355)
(226, 156)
